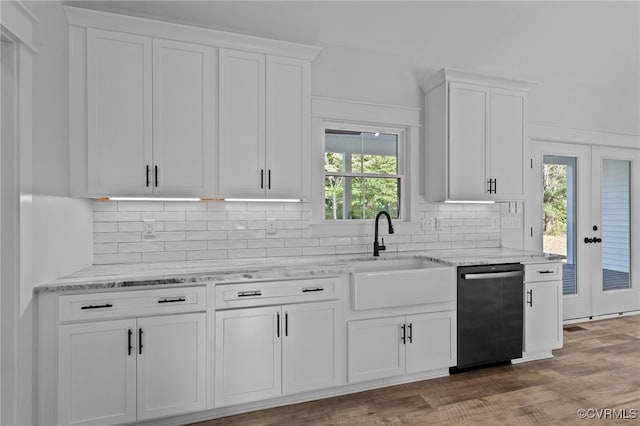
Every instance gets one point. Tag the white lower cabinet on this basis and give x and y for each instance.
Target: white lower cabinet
(542, 317)
(89, 395)
(393, 346)
(269, 351)
(114, 371)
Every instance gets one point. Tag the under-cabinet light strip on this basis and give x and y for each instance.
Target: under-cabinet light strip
(259, 200)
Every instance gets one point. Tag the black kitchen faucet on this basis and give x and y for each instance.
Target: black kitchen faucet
(376, 246)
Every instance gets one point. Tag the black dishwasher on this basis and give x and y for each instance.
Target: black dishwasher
(490, 314)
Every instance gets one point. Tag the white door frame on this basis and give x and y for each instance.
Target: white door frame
(588, 302)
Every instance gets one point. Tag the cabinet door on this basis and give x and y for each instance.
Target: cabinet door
(97, 373)
(119, 106)
(288, 114)
(182, 119)
(375, 348)
(309, 355)
(468, 139)
(431, 341)
(242, 124)
(542, 321)
(507, 141)
(248, 355)
(171, 365)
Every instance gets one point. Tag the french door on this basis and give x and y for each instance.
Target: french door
(590, 215)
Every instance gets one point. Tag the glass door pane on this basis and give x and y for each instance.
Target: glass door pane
(559, 215)
(616, 224)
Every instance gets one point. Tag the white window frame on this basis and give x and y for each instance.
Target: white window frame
(360, 116)
(400, 154)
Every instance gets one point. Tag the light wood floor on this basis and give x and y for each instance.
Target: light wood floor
(599, 367)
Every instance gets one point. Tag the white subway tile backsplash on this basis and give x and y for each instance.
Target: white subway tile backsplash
(113, 216)
(116, 237)
(234, 230)
(185, 245)
(247, 253)
(140, 247)
(164, 216)
(164, 256)
(206, 216)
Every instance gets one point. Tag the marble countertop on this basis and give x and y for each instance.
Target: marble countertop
(228, 271)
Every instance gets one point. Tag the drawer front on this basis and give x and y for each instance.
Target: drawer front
(275, 292)
(543, 272)
(116, 304)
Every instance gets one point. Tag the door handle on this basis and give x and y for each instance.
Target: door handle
(530, 298)
(588, 240)
(140, 341)
(129, 341)
(404, 334)
(410, 333)
(277, 324)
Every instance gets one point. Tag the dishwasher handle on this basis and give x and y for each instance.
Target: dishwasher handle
(492, 275)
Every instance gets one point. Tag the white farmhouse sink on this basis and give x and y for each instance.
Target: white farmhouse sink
(388, 283)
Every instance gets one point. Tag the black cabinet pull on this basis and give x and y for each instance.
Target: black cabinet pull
(495, 186)
(286, 323)
(130, 343)
(546, 272)
(489, 185)
(530, 298)
(404, 334)
(156, 175)
(269, 179)
(147, 175)
(249, 293)
(588, 240)
(410, 333)
(312, 289)
(140, 341)
(106, 305)
(261, 178)
(172, 300)
(597, 240)
(278, 324)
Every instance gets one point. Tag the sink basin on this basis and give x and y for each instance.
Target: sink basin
(387, 283)
(385, 265)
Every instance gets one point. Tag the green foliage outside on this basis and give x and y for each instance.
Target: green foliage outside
(369, 195)
(555, 199)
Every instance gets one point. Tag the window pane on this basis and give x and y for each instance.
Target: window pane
(380, 153)
(333, 162)
(342, 145)
(334, 197)
(381, 194)
(356, 188)
(616, 224)
(559, 215)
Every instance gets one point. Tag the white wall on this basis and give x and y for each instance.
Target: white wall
(55, 230)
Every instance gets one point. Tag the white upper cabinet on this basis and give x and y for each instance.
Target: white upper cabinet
(182, 118)
(147, 110)
(242, 124)
(264, 125)
(149, 116)
(119, 98)
(475, 131)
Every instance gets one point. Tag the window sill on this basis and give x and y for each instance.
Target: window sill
(360, 228)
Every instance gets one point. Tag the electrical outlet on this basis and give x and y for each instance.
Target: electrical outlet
(271, 226)
(149, 227)
(439, 223)
(511, 222)
(428, 224)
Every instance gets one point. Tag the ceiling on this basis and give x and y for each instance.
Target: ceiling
(591, 43)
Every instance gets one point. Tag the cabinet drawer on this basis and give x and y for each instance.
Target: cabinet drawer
(543, 272)
(275, 292)
(115, 304)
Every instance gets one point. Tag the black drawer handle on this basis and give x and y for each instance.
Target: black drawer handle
(546, 272)
(172, 300)
(106, 305)
(249, 293)
(312, 289)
